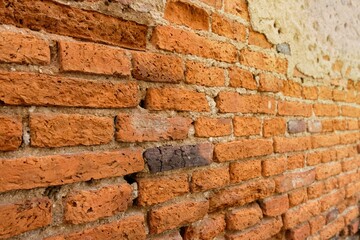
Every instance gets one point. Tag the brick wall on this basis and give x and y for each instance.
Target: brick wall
(189, 126)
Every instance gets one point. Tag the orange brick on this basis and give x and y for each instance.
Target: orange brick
(275, 205)
(310, 93)
(313, 158)
(228, 102)
(207, 228)
(10, 132)
(331, 199)
(172, 235)
(352, 124)
(258, 39)
(212, 127)
(263, 61)
(228, 28)
(325, 93)
(350, 111)
(245, 126)
(242, 149)
(244, 217)
(332, 228)
(284, 144)
(86, 206)
(317, 223)
(294, 109)
(316, 190)
(326, 110)
(274, 166)
(214, 3)
(339, 95)
(300, 232)
(160, 189)
(351, 214)
(241, 78)
(237, 7)
(181, 41)
(327, 125)
(211, 178)
(270, 83)
(170, 98)
(245, 170)
(23, 48)
(290, 181)
(292, 89)
(298, 196)
(327, 170)
(348, 138)
(274, 127)
(295, 161)
(301, 213)
(200, 74)
(325, 140)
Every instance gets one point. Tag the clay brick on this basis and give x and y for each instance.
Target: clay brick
(212, 127)
(301, 213)
(206, 229)
(326, 110)
(332, 229)
(297, 197)
(214, 3)
(211, 178)
(241, 78)
(242, 149)
(310, 93)
(295, 161)
(349, 138)
(284, 144)
(258, 39)
(340, 95)
(59, 130)
(270, 83)
(325, 93)
(169, 98)
(294, 109)
(327, 170)
(244, 217)
(299, 233)
(327, 125)
(86, 206)
(23, 48)
(137, 127)
(160, 189)
(237, 7)
(314, 126)
(24, 216)
(274, 127)
(352, 124)
(350, 111)
(173, 235)
(241, 194)
(175, 215)
(275, 205)
(245, 170)
(296, 126)
(10, 132)
(200, 74)
(228, 28)
(274, 166)
(292, 89)
(351, 214)
(261, 231)
(32, 172)
(93, 58)
(290, 181)
(354, 227)
(228, 102)
(315, 190)
(263, 61)
(330, 184)
(167, 158)
(185, 42)
(131, 227)
(45, 90)
(245, 126)
(324, 140)
(187, 14)
(317, 223)
(331, 199)
(50, 17)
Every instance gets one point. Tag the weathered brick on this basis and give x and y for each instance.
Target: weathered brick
(214, 3)
(172, 235)
(331, 199)
(351, 214)
(298, 196)
(284, 144)
(292, 89)
(201, 74)
(258, 39)
(228, 102)
(301, 213)
(207, 229)
(245, 170)
(167, 158)
(274, 166)
(212, 127)
(300, 232)
(86, 206)
(170, 98)
(160, 189)
(237, 7)
(137, 127)
(211, 178)
(349, 138)
(350, 111)
(24, 216)
(310, 93)
(242, 149)
(181, 41)
(324, 140)
(326, 110)
(295, 161)
(325, 92)
(244, 217)
(270, 83)
(59, 130)
(327, 125)
(228, 28)
(294, 109)
(275, 205)
(54, 18)
(175, 215)
(296, 126)
(10, 132)
(314, 126)
(241, 78)
(332, 229)
(23, 48)
(45, 90)
(315, 190)
(274, 127)
(245, 126)
(352, 124)
(294, 180)
(317, 223)
(155, 67)
(263, 61)
(32, 172)
(327, 170)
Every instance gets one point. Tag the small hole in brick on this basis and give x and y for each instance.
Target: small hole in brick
(130, 179)
(74, 204)
(90, 210)
(90, 182)
(52, 192)
(182, 232)
(2, 102)
(142, 103)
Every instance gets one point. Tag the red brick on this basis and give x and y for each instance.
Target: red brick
(325, 92)
(332, 229)
(314, 126)
(275, 205)
(274, 166)
(187, 14)
(85, 57)
(32, 172)
(228, 102)
(324, 140)
(24, 216)
(59, 130)
(137, 127)
(201, 74)
(23, 48)
(317, 223)
(228, 28)
(274, 127)
(160, 189)
(45, 90)
(241, 78)
(245, 170)
(10, 132)
(310, 93)
(244, 217)
(155, 67)
(242, 149)
(241, 194)
(170, 98)
(258, 39)
(292, 89)
(237, 7)
(245, 126)
(290, 181)
(263, 61)
(295, 161)
(327, 170)
(301, 213)
(299, 233)
(297, 197)
(212, 127)
(86, 206)
(94, 26)
(207, 228)
(270, 83)
(131, 227)
(354, 227)
(350, 111)
(284, 144)
(175, 215)
(181, 41)
(294, 109)
(326, 110)
(211, 178)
